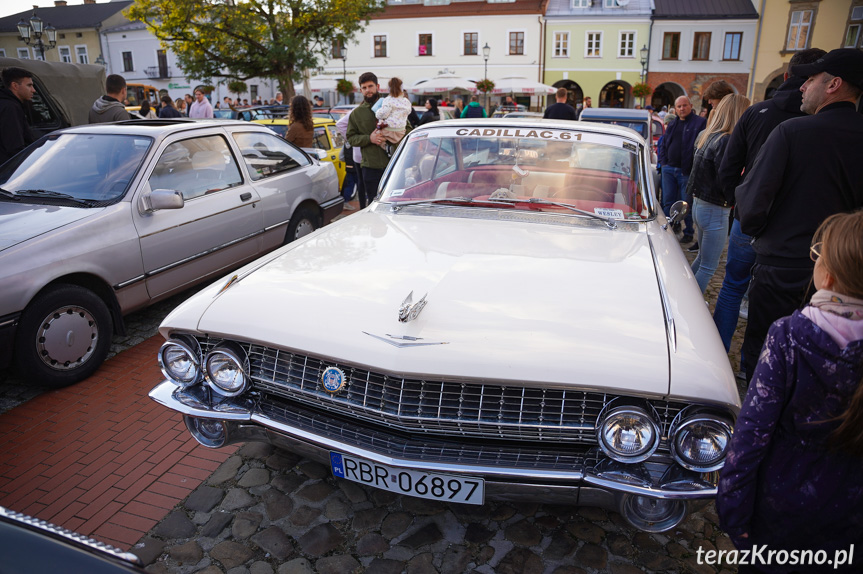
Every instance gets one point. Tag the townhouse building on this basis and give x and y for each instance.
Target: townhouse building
(787, 26)
(420, 40)
(593, 48)
(695, 43)
(78, 27)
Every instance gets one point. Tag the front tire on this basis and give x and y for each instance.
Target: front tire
(304, 221)
(63, 336)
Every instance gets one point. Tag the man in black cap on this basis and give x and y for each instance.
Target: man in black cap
(808, 169)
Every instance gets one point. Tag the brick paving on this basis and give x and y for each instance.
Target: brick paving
(100, 457)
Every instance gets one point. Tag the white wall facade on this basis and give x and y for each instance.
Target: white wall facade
(144, 47)
(403, 59)
(715, 63)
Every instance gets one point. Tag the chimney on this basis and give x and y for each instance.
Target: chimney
(59, 2)
(89, 1)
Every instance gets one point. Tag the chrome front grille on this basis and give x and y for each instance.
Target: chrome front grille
(436, 407)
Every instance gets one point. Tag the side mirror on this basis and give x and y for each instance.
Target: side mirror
(316, 153)
(160, 199)
(679, 209)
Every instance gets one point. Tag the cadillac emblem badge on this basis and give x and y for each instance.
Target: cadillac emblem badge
(333, 379)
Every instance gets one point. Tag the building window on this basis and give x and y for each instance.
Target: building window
(594, 45)
(561, 44)
(627, 45)
(2, 52)
(128, 66)
(65, 54)
(701, 46)
(516, 43)
(611, 3)
(471, 43)
(798, 30)
(733, 40)
(81, 54)
(23, 53)
(425, 48)
(581, 3)
(853, 36)
(336, 53)
(671, 46)
(380, 46)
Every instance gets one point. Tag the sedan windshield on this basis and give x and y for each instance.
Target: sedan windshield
(521, 168)
(85, 169)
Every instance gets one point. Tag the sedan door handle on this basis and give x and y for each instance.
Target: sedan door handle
(245, 196)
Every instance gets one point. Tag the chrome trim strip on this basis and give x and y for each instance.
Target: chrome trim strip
(275, 225)
(335, 201)
(10, 322)
(203, 253)
(207, 216)
(119, 286)
(59, 532)
(670, 328)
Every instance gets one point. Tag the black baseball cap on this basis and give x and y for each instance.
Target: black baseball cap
(846, 63)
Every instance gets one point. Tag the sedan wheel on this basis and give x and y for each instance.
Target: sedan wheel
(304, 221)
(63, 336)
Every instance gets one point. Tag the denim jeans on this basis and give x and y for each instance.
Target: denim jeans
(711, 223)
(349, 183)
(674, 188)
(738, 273)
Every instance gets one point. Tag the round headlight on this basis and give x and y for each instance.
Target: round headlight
(628, 434)
(700, 443)
(652, 514)
(180, 361)
(227, 370)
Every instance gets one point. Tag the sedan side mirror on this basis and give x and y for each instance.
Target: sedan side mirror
(160, 199)
(679, 209)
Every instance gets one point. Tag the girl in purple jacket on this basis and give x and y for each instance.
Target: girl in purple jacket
(793, 479)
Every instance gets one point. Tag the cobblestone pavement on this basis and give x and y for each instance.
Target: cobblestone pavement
(266, 511)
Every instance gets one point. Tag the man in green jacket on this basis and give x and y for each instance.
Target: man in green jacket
(361, 125)
(474, 109)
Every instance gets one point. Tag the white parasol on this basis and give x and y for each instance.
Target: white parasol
(520, 85)
(442, 84)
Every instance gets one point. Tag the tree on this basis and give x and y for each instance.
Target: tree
(242, 39)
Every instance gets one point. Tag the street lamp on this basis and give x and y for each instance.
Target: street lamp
(343, 52)
(643, 53)
(33, 30)
(485, 53)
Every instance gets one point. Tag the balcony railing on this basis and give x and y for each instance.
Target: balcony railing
(158, 72)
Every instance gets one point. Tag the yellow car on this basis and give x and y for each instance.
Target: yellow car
(327, 138)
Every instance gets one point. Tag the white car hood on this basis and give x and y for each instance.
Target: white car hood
(22, 221)
(529, 303)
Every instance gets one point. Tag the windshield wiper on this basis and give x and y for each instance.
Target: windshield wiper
(397, 206)
(51, 194)
(609, 221)
(9, 194)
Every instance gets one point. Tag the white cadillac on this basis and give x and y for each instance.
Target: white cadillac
(512, 318)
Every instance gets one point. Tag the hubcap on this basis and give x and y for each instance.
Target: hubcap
(67, 338)
(304, 228)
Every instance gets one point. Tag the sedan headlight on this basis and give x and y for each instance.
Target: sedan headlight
(227, 369)
(628, 434)
(180, 361)
(700, 440)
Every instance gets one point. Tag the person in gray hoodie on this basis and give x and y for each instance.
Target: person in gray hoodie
(110, 108)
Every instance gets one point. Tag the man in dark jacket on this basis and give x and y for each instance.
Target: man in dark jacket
(744, 143)
(808, 169)
(361, 134)
(675, 157)
(15, 132)
(168, 110)
(560, 110)
(110, 108)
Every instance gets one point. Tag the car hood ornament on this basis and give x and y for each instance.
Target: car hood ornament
(408, 311)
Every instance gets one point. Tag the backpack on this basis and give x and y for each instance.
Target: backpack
(473, 112)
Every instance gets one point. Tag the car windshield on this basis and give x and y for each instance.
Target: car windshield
(521, 168)
(640, 127)
(94, 168)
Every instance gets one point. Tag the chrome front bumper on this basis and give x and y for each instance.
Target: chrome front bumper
(585, 478)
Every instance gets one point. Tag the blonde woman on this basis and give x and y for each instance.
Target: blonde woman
(710, 208)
